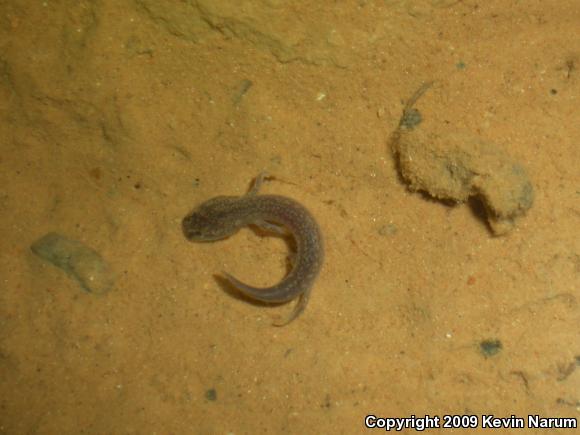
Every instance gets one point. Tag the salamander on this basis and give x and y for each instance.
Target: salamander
(222, 216)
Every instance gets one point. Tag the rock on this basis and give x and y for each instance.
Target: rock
(276, 27)
(78, 260)
(456, 166)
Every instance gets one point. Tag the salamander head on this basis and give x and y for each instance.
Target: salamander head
(212, 220)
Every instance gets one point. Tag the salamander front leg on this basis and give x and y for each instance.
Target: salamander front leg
(258, 183)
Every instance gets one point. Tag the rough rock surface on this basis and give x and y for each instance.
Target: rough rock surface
(458, 166)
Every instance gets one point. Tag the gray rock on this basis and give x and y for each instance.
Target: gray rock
(79, 261)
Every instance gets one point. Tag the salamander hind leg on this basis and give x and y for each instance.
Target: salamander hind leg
(298, 309)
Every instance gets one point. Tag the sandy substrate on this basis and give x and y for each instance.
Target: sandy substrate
(117, 118)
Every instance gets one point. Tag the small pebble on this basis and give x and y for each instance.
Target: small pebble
(211, 394)
(490, 347)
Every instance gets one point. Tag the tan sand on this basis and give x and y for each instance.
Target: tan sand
(116, 118)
